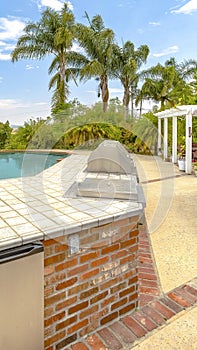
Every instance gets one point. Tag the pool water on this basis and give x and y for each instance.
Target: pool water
(19, 164)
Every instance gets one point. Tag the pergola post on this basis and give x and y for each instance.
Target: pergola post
(174, 140)
(159, 138)
(165, 149)
(188, 143)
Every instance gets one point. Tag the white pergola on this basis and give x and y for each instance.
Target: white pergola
(187, 111)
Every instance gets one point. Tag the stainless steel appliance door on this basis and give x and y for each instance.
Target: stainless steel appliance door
(22, 298)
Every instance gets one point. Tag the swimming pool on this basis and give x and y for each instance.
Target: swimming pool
(22, 164)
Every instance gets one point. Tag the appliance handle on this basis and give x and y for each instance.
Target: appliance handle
(20, 252)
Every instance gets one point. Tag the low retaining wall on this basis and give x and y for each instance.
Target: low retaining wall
(90, 279)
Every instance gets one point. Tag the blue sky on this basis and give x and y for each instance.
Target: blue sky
(168, 27)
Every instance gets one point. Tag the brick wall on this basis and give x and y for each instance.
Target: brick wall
(90, 286)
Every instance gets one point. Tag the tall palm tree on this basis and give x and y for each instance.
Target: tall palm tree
(168, 83)
(52, 35)
(127, 62)
(97, 43)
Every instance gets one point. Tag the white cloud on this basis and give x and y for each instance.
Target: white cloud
(17, 111)
(54, 4)
(30, 67)
(115, 91)
(1, 79)
(169, 50)
(10, 29)
(188, 8)
(154, 24)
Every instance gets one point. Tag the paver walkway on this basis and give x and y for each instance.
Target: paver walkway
(167, 315)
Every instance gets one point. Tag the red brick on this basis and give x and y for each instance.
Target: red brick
(119, 303)
(118, 287)
(66, 284)
(147, 290)
(54, 318)
(89, 256)
(109, 318)
(110, 339)
(54, 278)
(164, 310)
(48, 290)
(128, 258)
(127, 291)
(88, 293)
(145, 260)
(78, 307)
(134, 326)
(109, 283)
(98, 297)
(133, 280)
(89, 274)
(119, 254)
(49, 242)
(178, 299)
(148, 283)
(78, 288)
(128, 243)
(127, 308)
(110, 249)
(77, 326)
(55, 298)
(190, 298)
(79, 346)
(49, 311)
(143, 269)
(78, 270)
(54, 338)
(190, 290)
(108, 301)
(144, 320)
(100, 261)
(54, 259)
(88, 311)
(66, 323)
(48, 270)
(147, 276)
(95, 343)
(123, 332)
(66, 303)
(68, 340)
(145, 299)
(156, 317)
(67, 264)
(170, 303)
(61, 248)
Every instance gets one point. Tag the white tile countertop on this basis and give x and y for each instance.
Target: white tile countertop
(40, 207)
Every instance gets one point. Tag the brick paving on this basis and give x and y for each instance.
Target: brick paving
(155, 308)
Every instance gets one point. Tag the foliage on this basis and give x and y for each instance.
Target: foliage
(52, 35)
(98, 44)
(127, 62)
(5, 133)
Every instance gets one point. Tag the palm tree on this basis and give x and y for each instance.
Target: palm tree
(52, 35)
(168, 84)
(98, 43)
(127, 62)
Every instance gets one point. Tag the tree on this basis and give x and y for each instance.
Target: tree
(127, 62)
(5, 133)
(98, 43)
(168, 84)
(52, 35)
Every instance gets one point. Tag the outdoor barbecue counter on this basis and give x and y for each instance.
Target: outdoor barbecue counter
(56, 202)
